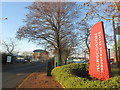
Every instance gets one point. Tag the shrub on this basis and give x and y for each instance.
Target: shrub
(76, 76)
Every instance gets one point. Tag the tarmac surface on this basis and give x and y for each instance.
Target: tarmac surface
(14, 74)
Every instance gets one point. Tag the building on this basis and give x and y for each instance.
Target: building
(40, 55)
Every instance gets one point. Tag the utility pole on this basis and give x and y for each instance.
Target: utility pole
(118, 32)
(113, 24)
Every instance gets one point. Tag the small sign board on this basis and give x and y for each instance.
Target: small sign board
(9, 58)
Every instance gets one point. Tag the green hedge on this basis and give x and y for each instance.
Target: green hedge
(74, 76)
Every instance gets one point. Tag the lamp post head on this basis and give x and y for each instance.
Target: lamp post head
(4, 18)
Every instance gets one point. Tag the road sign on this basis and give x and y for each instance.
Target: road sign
(9, 58)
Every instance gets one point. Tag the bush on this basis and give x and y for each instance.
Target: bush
(76, 76)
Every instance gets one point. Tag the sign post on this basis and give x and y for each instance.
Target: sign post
(9, 59)
(99, 64)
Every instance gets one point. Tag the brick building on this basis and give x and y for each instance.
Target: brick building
(40, 55)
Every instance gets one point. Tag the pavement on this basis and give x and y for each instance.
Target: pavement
(40, 80)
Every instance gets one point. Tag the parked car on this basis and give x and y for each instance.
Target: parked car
(70, 61)
(78, 61)
(82, 61)
(111, 62)
(86, 61)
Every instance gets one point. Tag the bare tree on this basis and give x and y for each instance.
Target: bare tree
(10, 45)
(84, 36)
(84, 33)
(97, 11)
(102, 10)
(109, 39)
(51, 23)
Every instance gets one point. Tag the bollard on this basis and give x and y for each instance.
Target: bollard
(52, 64)
(56, 64)
(49, 68)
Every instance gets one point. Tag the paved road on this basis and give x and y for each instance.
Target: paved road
(13, 75)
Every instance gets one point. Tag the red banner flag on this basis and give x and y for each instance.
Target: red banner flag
(99, 65)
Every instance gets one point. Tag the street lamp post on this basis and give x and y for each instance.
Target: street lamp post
(119, 53)
(115, 41)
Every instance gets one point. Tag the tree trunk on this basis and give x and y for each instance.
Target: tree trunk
(59, 48)
(86, 42)
(59, 57)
